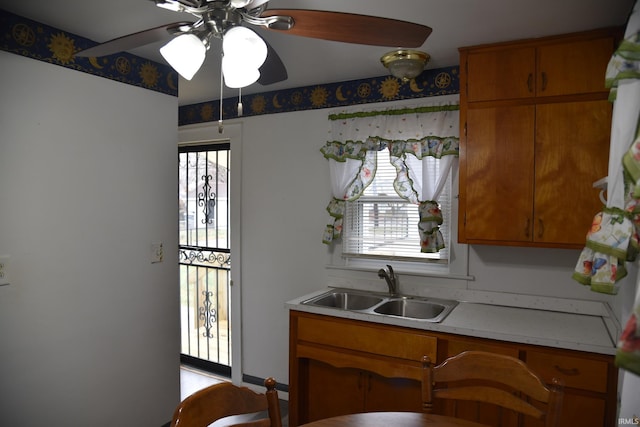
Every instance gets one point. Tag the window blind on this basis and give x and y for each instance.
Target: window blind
(382, 224)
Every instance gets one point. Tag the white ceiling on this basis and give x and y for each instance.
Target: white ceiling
(309, 61)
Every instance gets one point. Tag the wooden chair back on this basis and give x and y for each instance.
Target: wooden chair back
(497, 379)
(226, 399)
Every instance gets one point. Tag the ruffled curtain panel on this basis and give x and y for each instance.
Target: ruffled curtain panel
(411, 135)
(614, 238)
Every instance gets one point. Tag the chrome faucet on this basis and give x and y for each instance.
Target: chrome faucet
(390, 278)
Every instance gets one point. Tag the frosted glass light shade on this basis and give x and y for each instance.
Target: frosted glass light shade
(245, 47)
(405, 64)
(185, 54)
(237, 75)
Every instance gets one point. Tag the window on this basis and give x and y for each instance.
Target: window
(381, 224)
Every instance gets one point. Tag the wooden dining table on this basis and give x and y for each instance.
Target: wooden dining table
(392, 419)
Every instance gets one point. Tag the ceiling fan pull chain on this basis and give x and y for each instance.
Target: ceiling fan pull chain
(220, 128)
(239, 102)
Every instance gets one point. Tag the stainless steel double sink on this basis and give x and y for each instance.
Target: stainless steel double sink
(407, 307)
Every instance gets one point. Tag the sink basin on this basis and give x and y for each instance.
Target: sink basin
(407, 307)
(415, 309)
(345, 300)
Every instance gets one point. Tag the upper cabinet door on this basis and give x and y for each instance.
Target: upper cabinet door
(501, 74)
(498, 166)
(571, 152)
(573, 67)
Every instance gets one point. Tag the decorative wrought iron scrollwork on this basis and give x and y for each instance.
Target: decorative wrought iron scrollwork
(197, 255)
(207, 200)
(208, 314)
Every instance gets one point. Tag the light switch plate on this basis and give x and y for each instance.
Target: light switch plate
(4, 270)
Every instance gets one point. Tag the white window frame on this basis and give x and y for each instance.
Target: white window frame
(456, 268)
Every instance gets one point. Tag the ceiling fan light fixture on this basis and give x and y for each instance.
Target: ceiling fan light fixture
(185, 54)
(405, 64)
(237, 75)
(245, 47)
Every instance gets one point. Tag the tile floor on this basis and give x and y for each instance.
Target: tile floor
(192, 380)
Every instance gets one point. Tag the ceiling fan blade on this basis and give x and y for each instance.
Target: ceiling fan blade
(353, 28)
(273, 69)
(135, 40)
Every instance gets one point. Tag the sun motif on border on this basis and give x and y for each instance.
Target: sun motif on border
(389, 88)
(206, 112)
(149, 74)
(23, 35)
(443, 80)
(319, 96)
(258, 104)
(62, 48)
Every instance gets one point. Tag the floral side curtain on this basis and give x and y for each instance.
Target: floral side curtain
(412, 135)
(614, 237)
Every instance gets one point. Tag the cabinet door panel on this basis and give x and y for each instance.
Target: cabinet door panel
(577, 410)
(332, 391)
(392, 394)
(499, 173)
(572, 148)
(574, 67)
(501, 74)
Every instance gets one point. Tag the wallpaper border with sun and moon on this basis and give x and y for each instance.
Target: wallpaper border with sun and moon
(432, 82)
(35, 40)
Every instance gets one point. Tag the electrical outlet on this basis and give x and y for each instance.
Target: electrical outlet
(157, 253)
(4, 270)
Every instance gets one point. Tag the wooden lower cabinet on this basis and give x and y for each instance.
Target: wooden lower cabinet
(333, 364)
(341, 391)
(589, 385)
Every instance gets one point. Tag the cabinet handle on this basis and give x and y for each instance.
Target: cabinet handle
(541, 227)
(360, 375)
(369, 382)
(526, 228)
(571, 372)
(530, 82)
(544, 81)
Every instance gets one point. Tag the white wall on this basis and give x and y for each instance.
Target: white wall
(88, 176)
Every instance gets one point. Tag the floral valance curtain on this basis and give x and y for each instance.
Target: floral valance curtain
(411, 135)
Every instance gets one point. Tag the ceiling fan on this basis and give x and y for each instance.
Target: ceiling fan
(246, 57)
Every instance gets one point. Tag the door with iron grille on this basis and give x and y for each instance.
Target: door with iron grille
(205, 262)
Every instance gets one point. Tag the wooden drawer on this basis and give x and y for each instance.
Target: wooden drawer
(576, 372)
(458, 346)
(359, 336)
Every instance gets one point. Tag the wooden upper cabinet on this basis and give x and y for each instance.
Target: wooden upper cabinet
(499, 165)
(573, 67)
(572, 141)
(501, 74)
(535, 129)
(546, 67)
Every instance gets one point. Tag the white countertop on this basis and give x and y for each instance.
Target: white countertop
(574, 331)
